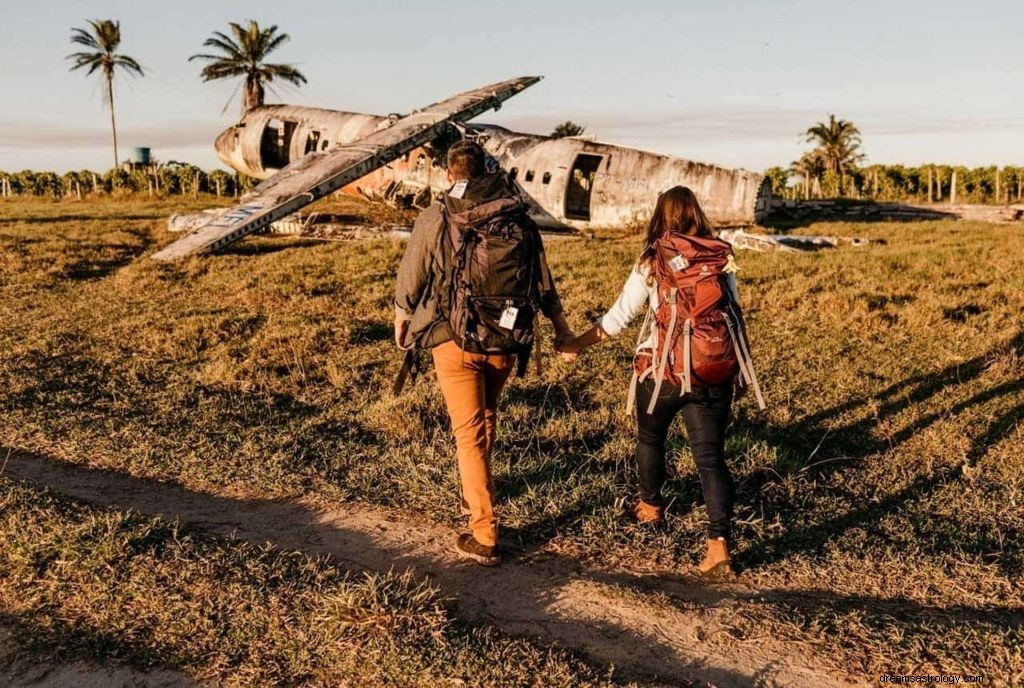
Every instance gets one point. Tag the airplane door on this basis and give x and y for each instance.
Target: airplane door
(275, 144)
(580, 186)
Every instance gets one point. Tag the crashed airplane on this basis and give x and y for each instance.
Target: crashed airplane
(304, 154)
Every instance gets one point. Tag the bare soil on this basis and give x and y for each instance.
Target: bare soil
(17, 671)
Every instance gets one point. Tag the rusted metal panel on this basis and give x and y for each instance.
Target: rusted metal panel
(318, 174)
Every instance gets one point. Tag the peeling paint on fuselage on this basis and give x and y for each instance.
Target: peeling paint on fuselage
(617, 185)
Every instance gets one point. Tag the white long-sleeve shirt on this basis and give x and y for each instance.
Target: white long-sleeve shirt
(638, 294)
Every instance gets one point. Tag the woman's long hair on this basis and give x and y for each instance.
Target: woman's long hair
(677, 212)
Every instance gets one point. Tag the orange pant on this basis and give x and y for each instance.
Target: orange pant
(471, 384)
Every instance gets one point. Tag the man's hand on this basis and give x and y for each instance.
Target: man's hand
(401, 330)
(563, 334)
(568, 346)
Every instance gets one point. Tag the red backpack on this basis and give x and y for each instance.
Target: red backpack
(699, 334)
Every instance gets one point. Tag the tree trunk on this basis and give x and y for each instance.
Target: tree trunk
(254, 94)
(952, 189)
(113, 124)
(929, 185)
(999, 194)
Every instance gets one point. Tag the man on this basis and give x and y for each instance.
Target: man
(472, 273)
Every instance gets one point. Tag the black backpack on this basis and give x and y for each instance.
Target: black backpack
(492, 281)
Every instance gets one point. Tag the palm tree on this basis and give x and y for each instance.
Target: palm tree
(839, 143)
(567, 128)
(244, 55)
(810, 166)
(102, 55)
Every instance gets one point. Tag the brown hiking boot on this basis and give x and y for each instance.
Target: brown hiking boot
(716, 564)
(468, 548)
(648, 513)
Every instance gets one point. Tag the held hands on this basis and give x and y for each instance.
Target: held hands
(568, 346)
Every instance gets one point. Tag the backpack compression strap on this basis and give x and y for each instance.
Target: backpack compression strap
(631, 395)
(659, 377)
(687, 335)
(748, 359)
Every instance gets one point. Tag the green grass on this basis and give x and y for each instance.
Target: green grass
(881, 495)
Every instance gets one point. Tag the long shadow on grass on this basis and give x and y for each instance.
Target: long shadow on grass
(518, 598)
(873, 211)
(825, 449)
(522, 597)
(549, 464)
(73, 217)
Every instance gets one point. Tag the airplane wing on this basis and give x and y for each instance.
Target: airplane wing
(318, 174)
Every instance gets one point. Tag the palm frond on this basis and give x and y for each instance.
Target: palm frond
(129, 65)
(276, 42)
(283, 72)
(83, 37)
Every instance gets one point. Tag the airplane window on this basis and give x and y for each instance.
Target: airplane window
(529, 175)
(513, 172)
(546, 179)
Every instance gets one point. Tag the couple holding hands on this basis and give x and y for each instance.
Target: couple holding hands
(469, 286)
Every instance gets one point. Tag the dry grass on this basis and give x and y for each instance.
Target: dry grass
(119, 587)
(881, 495)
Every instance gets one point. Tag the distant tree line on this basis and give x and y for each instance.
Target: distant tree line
(923, 184)
(162, 181)
(833, 169)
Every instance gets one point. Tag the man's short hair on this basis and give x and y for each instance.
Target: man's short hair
(466, 160)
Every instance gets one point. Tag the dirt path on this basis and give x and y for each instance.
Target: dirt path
(551, 598)
(19, 672)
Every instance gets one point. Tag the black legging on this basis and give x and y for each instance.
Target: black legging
(706, 415)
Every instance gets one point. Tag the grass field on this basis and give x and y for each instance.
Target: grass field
(881, 495)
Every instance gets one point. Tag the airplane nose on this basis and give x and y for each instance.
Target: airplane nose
(225, 144)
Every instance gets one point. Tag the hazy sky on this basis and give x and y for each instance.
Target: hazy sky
(729, 82)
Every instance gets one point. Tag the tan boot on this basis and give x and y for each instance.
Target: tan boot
(647, 513)
(716, 563)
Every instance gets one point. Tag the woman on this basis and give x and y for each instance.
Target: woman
(685, 281)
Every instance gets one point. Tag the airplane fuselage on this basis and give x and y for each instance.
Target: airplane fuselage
(573, 181)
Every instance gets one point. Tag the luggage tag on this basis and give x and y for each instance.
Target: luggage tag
(679, 263)
(459, 189)
(508, 318)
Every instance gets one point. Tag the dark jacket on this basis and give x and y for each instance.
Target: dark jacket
(425, 265)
